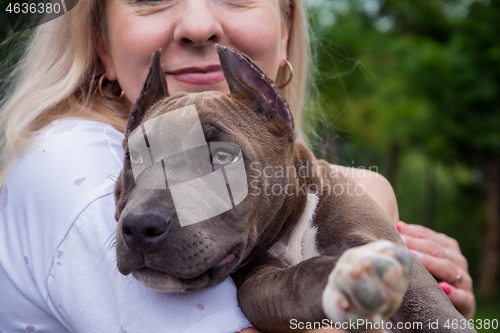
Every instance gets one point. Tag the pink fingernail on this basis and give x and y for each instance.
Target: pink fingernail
(417, 254)
(398, 227)
(446, 287)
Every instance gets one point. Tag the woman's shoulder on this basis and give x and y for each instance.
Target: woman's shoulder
(70, 163)
(69, 148)
(67, 172)
(66, 139)
(375, 185)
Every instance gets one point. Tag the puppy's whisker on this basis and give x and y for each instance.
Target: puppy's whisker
(261, 244)
(111, 241)
(113, 178)
(108, 245)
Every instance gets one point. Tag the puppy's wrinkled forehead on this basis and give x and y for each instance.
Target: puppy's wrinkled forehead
(204, 102)
(174, 125)
(169, 150)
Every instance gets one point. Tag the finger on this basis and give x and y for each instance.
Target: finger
(463, 300)
(444, 270)
(432, 248)
(419, 231)
(426, 246)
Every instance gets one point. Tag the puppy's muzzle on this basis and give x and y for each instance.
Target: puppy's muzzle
(143, 231)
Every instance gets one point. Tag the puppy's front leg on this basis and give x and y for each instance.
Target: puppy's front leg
(271, 293)
(365, 285)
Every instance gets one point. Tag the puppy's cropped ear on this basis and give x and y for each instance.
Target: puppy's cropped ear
(155, 88)
(246, 79)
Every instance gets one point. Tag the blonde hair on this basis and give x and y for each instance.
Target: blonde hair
(60, 81)
(299, 56)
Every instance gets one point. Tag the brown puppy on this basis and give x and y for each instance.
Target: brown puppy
(301, 244)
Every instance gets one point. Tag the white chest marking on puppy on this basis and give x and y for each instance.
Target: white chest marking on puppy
(300, 244)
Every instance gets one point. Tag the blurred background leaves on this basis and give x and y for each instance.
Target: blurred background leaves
(413, 88)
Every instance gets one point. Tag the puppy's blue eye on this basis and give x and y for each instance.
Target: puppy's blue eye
(136, 158)
(223, 157)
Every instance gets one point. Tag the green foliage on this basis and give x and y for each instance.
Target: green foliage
(414, 87)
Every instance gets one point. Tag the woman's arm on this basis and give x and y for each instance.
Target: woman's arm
(376, 186)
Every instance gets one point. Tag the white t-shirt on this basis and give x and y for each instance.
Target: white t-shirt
(57, 261)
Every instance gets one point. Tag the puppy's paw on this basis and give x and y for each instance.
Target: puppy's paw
(367, 284)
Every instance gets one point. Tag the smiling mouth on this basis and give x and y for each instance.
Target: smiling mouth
(200, 76)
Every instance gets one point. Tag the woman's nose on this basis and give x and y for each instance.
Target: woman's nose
(198, 24)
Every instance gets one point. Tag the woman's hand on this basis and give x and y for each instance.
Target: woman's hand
(442, 257)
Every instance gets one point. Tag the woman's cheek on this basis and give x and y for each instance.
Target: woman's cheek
(262, 45)
(133, 63)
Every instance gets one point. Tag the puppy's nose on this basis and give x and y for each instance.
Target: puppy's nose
(144, 231)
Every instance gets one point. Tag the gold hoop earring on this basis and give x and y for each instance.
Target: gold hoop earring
(291, 75)
(101, 80)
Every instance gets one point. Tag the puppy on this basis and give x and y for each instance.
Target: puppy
(215, 185)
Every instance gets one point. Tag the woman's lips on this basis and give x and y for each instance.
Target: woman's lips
(194, 75)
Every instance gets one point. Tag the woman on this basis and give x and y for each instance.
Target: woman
(62, 148)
